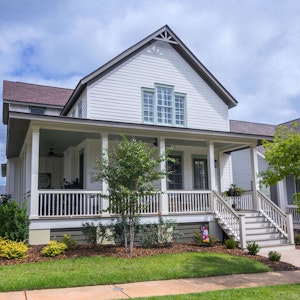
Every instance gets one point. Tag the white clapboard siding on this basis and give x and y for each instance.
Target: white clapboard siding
(117, 95)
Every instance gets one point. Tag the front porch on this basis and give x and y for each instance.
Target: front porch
(70, 205)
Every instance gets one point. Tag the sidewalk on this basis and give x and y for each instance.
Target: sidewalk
(168, 287)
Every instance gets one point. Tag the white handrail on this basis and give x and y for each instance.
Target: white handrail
(273, 214)
(228, 218)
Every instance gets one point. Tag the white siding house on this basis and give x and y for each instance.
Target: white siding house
(156, 91)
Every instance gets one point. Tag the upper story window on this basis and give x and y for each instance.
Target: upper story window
(80, 109)
(37, 110)
(164, 106)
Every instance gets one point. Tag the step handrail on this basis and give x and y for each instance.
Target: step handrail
(230, 220)
(274, 214)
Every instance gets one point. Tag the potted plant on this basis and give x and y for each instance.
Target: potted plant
(234, 192)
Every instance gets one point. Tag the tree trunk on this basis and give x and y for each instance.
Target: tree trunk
(131, 234)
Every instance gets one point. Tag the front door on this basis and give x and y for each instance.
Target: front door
(200, 174)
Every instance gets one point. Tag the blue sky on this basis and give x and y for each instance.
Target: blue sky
(251, 46)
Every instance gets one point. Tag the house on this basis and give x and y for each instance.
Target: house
(156, 91)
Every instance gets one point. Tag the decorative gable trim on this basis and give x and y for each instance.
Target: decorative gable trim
(164, 34)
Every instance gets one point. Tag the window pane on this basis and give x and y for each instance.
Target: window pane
(164, 105)
(179, 110)
(148, 106)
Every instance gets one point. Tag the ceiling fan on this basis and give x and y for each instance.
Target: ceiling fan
(51, 153)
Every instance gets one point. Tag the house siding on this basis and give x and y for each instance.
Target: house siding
(241, 169)
(117, 96)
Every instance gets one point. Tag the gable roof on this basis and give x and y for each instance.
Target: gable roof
(35, 94)
(163, 34)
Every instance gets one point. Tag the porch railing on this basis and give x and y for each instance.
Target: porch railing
(69, 203)
(292, 209)
(243, 202)
(189, 201)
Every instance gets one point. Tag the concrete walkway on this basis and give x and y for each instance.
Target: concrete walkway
(168, 287)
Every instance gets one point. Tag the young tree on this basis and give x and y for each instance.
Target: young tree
(283, 156)
(131, 170)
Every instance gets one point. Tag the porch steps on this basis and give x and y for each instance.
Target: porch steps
(262, 232)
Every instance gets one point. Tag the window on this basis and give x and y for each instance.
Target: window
(175, 175)
(37, 110)
(79, 109)
(163, 106)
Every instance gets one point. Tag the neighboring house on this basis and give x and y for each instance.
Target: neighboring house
(156, 91)
(282, 193)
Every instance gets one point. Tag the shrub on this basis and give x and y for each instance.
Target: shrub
(162, 233)
(89, 229)
(252, 248)
(297, 239)
(69, 241)
(12, 249)
(231, 243)
(14, 222)
(54, 249)
(274, 256)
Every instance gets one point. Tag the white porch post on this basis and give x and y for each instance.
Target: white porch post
(104, 148)
(255, 184)
(34, 206)
(163, 205)
(211, 166)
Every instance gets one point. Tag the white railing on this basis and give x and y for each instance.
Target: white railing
(274, 215)
(243, 202)
(69, 203)
(293, 210)
(149, 204)
(228, 219)
(189, 201)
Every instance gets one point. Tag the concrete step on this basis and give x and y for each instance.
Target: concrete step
(256, 219)
(257, 225)
(270, 243)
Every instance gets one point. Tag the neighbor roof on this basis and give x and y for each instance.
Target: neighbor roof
(163, 34)
(35, 94)
(252, 128)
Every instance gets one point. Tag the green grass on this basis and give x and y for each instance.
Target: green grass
(282, 292)
(96, 270)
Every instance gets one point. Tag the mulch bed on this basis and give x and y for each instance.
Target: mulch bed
(34, 255)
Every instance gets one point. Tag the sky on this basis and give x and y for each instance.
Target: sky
(251, 46)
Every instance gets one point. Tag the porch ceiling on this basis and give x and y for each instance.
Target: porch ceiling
(60, 140)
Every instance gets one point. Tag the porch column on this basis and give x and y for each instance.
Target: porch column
(34, 207)
(211, 166)
(104, 148)
(163, 205)
(255, 184)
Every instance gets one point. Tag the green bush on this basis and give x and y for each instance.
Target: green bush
(253, 248)
(274, 256)
(297, 239)
(69, 241)
(89, 230)
(14, 222)
(231, 243)
(162, 233)
(54, 249)
(12, 249)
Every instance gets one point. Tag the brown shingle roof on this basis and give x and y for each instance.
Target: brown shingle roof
(252, 128)
(34, 93)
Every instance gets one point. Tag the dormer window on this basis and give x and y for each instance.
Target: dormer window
(163, 106)
(37, 110)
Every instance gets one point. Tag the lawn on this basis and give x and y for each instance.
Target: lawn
(282, 292)
(97, 270)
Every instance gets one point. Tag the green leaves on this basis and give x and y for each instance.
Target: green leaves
(282, 154)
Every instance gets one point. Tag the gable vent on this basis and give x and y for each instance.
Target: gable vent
(165, 36)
